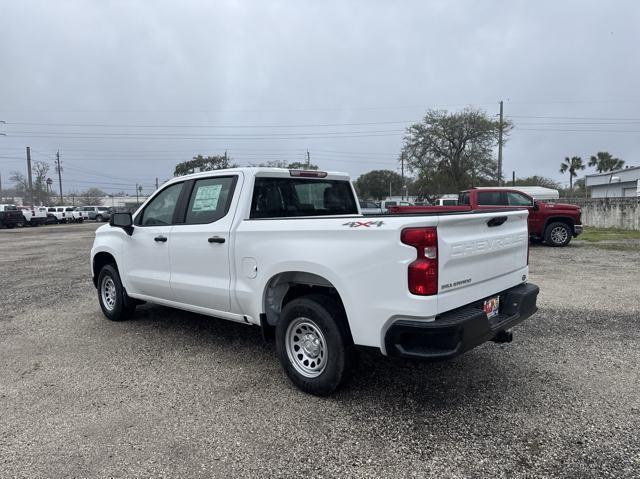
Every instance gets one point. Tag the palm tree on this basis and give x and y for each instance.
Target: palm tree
(572, 165)
(604, 161)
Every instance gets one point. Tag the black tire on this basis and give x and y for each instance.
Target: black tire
(557, 234)
(99, 218)
(122, 306)
(20, 224)
(337, 354)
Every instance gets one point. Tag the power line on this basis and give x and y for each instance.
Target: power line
(585, 130)
(290, 125)
(574, 118)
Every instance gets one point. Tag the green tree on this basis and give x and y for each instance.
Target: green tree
(378, 184)
(203, 163)
(572, 165)
(604, 161)
(454, 148)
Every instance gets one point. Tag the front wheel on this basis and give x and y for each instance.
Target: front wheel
(557, 234)
(313, 344)
(99, 218)
(114, 301)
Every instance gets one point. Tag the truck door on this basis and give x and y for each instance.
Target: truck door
(200, 246)
(521, 200)
(146, 254)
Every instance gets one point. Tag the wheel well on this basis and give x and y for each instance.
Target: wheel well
(99, 261)
(285, 287)
(559, 219)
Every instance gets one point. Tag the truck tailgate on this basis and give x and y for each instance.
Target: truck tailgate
(480, 253)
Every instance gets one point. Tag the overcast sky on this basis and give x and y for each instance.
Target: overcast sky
(126, 89)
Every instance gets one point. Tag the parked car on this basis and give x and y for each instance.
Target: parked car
(10, 216)
(33, 215)
(98, 213)
(286, 250)
(553, 223)
(386, 204)
(59, 213)
(368, 207)
(77, 214)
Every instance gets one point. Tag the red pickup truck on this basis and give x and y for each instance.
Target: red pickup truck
(553, 223)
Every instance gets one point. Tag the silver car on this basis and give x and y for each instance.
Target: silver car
(98, 213)
(368, 207)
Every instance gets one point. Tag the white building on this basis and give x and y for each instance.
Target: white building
(615, 184)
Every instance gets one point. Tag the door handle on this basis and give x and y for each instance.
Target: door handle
(216, 239)
(497, 221)
(160, 239)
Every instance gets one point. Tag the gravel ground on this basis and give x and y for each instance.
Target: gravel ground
(177, 394)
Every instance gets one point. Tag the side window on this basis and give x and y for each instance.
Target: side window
(463, 198)
(518, 199)
(160, 210)
(210, 200)
(491, 198)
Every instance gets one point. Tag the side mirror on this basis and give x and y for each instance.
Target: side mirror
(122, 220)
(536, 206)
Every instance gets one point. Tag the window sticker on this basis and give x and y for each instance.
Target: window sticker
(207, 198)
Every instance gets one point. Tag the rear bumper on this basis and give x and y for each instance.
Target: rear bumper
(460, 330)
(577, 230)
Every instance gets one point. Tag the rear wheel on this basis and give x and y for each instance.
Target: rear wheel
(313, 344)
(99, 218)
(115, 303)
(557, 234)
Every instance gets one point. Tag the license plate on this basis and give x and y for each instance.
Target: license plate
(492, 307)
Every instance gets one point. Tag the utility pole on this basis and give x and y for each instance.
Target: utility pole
(29, 180)
(402, 174)
(308, 159)
(500, 145)
(59, 170)
(0, 187)
(513, 178)
(156, 183)
(137, 200)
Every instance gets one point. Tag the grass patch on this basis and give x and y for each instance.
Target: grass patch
(594, 235)
(614, 246)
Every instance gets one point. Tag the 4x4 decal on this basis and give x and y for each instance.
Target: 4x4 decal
(366, 224)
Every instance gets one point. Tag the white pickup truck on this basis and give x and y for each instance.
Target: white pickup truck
(289, 251)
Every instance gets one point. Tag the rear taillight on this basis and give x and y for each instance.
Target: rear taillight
(423, 272)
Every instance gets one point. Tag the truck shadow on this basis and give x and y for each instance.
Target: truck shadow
(501, 376)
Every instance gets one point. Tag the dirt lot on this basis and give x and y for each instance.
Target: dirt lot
(176, 394)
